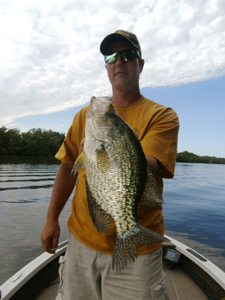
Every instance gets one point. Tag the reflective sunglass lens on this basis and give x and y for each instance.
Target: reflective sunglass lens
(129, 55)
(111, 58)
(126, 54)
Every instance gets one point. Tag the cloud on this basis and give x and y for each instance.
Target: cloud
(50, 56)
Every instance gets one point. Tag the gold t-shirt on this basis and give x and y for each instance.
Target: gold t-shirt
(157, 129)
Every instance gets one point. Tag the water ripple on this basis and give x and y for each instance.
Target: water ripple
(33, 187)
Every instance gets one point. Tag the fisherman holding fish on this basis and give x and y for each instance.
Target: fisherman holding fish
(117, 152)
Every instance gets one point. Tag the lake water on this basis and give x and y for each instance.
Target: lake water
(194, 211)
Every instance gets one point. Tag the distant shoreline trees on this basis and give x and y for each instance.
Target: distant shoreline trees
(189, 157)
(35, 142)
(45, 143)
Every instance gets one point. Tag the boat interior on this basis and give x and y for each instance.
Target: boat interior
(179, 286)
(190, 276)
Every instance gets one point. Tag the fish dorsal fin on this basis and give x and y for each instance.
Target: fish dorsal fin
(79, 163)
(100, 218)
(103, 161)
(151, 194)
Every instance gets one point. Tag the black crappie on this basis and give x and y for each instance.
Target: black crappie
(117, 178)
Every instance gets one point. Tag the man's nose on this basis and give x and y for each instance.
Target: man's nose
(120, 59)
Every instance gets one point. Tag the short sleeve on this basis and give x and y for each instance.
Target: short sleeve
(160, 141)
(70, 147)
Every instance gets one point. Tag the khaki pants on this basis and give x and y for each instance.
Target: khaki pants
(86, 274)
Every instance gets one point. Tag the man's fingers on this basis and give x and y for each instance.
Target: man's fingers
(55, 243)
(48, 243)
(82, 145)
(50, 236)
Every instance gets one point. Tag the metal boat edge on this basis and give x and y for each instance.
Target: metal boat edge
(209, 277)
(9, 288)
(210, 268)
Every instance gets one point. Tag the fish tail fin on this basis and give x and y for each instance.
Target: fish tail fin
(125, 247)
(124, 251)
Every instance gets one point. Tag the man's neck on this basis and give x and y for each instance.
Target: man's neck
(124, 98)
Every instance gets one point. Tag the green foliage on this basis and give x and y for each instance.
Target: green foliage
(35, 142)
(189, 157)
(39, 143)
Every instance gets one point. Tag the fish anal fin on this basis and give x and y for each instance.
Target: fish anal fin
(151, 195)
(79, 163)
(100, 218)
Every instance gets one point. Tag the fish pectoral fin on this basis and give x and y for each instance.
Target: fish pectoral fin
(151, 195)
(103, 161)
(100, 218)
(79, 163)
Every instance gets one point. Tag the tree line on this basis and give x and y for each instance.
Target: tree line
(39, 143)
(189, 157)
(35, 142)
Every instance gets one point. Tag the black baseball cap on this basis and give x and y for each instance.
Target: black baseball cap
(119, 35)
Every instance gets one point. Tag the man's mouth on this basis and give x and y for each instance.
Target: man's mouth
(120, 73)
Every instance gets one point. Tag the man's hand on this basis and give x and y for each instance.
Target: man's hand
(50, 236)
(82, 145)
(62, 189)
(153, 163)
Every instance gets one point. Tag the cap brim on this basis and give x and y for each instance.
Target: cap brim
(109, 39)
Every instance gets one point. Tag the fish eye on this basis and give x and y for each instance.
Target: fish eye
(110, 114)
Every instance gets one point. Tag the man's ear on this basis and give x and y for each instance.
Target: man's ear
(141, 64)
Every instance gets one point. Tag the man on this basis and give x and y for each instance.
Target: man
(85, 270)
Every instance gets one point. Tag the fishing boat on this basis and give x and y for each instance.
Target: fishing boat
(189, 276)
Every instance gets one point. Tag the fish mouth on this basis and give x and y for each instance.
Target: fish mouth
(100, 123)
(98, 119)
(100, 105)
(98, 110)
(100, 127)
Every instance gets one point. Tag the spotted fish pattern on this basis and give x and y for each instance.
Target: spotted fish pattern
(117, 178)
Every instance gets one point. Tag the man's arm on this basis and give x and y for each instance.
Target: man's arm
(62, 189)
(153, 163)
(156, 167)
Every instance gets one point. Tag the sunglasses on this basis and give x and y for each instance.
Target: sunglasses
(127, 55)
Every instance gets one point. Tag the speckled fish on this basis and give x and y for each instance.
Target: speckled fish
(117, 178)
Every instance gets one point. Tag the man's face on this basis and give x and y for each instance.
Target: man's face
(124, 75)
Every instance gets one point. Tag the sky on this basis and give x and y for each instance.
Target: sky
(51, 65)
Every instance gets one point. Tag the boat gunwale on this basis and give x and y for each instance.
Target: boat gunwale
(20, 278)
(32, 269)
(202, 262)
